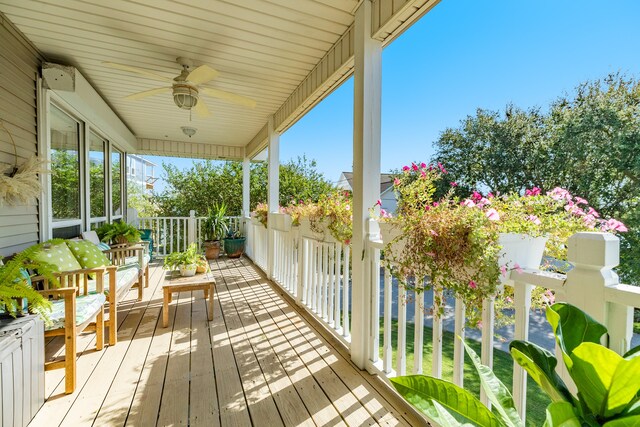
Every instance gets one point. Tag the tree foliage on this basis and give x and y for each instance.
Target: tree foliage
(587, 142)
(207, 183)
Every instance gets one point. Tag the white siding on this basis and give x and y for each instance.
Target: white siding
(19, 63)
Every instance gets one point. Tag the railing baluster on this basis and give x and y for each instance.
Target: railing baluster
(330, 284)
(436, 368)
(458, 348)
(374, 265)
(346, 325)
(418, 332)
(387, 352)
(487, 341)
(401, 354)
(336, 304)
(522, 303)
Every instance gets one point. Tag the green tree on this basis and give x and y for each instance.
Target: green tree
(206, 183)
(587, 142)
(65, 184)
(144, 203)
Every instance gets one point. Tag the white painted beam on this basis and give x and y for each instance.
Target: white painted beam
(192, 150)
(246, 187)
(366, 172)
(273, 192)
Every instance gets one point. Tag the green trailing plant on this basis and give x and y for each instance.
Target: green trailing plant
(118, 232)
(451, 406)
(174, 260)
(14, 284)
(216, 224)
(608, 384)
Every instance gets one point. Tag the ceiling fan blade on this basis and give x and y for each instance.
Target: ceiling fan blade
(201, 109)
(141, 71)
(146, 93)
(202, 74)
(228, 96)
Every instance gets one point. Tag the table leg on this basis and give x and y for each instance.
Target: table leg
(211, 302)
(206, 293)
(165, 308)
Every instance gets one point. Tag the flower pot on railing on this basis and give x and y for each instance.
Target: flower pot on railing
(256, 221)
(391, 233)
(521, 249)
(311, 232)
(280, 221)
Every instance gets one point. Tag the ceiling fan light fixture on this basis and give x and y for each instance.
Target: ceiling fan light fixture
(189, 131)
(185, 96)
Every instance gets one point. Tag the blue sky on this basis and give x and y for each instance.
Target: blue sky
(467, 54)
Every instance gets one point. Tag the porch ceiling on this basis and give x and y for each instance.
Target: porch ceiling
(262, 49)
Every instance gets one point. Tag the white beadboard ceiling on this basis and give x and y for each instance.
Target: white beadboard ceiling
(263, 49)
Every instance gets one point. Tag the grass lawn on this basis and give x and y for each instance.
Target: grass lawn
(537, 401)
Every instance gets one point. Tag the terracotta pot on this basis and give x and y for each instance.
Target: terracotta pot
(212, 249)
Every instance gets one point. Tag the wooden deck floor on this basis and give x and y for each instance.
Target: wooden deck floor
(259, 362)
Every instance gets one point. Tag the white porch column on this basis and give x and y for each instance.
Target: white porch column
(246, 187)
(366, 175)
(273, 199)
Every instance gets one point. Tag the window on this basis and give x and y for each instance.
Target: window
(116, 182)
(65, 166)
(98, 201)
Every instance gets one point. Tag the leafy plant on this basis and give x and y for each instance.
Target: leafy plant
(607, 383)
(13, 284)
(174, 260)
(447, 404)
(118, 232)
(216, 225)
(262, 213)
(234, 234)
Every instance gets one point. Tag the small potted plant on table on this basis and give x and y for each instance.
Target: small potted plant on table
(186, 262)
(215, 227)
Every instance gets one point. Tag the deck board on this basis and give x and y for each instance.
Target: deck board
(258, 362)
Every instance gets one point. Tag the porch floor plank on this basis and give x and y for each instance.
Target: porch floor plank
(258, 362)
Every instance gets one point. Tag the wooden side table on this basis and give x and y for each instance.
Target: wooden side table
(176, 283)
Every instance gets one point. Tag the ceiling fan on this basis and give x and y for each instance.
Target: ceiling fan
(186, 87)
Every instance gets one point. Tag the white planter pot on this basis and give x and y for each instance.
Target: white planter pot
(308, 232)
(391, 233)
(521, 249)
(281, 222)
(188, 270)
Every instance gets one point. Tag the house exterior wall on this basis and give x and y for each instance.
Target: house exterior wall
(19, 64)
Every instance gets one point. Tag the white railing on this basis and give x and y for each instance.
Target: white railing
(590, 285)
(312, 267)
(175, 234)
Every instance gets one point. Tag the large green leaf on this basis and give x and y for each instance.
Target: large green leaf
(593, 369)
(634, 352)
(445, 419)
(561, 414)
(498, 394)
(625, 385)
(540, 364)
(572, 327)
(420, 390)
(633, 421)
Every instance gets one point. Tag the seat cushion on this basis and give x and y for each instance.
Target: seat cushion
(88, 254)
(134, 260)
(124, 277)
(103, 246)
(86, 307)
(59, 257)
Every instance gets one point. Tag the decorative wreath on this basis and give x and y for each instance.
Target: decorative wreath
(20, 184)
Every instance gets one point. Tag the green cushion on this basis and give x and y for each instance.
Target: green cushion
(60, 256)
(88, 254)
(124, 276)
(86, 306)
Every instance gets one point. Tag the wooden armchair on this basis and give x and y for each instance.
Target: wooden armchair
(75, 310)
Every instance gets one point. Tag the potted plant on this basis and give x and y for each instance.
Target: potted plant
(119, 233)
(186, 262)
(261, 214)
(234, 244)
(15, 283)
(215, 227)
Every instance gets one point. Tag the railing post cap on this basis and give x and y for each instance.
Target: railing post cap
(594, 249)
(192, 213)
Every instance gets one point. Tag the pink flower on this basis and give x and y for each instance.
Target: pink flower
(493, 215)
(423, 174)
(423, 165)
(427, 208)
(476, 196)
(479, 324)
(483, 202)
(551, 298)
(517, 268)
(534, 219)
(559, 194)
(414, 167)
(589, 221)
(406, 169)
(442, 169)
(379, 203)
(468, 203)
(509, 300)
(453, 184)
(503, 270)
(436, 204)
(490, 196)
(614, 225)
(433, 233)
(348, 207)
(431, 254)
(580, 200)
(472, 284)
(535, 191)
(396, 181)
(593, 212)
(383, 213)
(346, 194)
